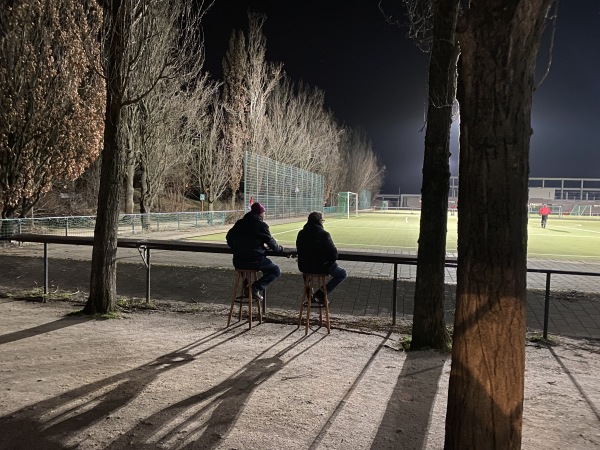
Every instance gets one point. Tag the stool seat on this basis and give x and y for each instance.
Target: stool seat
(249, 275)
(314, 281)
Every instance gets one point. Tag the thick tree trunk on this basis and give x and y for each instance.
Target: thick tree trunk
(429, 326)
(499, 43)
(103, 279)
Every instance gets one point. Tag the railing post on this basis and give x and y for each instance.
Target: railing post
(147, 257)
(67, 226)
(45, 271)
(547, 305)
(394, 298)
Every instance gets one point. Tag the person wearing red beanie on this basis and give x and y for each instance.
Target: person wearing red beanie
(249, 239)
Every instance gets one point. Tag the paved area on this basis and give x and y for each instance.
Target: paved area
(208, 278)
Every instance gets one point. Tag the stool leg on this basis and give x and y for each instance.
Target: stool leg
(237, 280)
(249, 276)
(302, 297)
(326, 300)
(260, 317)
(307, 293)
(320, 282)
(242, 296)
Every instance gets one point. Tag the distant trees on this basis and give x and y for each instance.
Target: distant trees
(51, 100)
(248, 80)
(362, 170)
(267, 113)
(210, 166)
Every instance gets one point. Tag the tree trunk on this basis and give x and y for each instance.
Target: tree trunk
(144, 199)
(103, 279)
(429, 326)
(499, 43)
(129, 190)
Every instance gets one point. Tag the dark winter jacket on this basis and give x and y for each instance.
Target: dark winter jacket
(248, 237)
(316, 251)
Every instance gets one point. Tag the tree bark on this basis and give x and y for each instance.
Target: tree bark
(429, 326)
(103, 279)
(499, 42)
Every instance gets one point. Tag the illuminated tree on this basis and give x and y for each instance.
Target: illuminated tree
(301, 132)
(133, 32)
(360, 169)
(499, 42)
(429, 323)
(204, 137)
(248, 81)
(51, 101)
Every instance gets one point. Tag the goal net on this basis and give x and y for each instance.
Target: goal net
(347, 205)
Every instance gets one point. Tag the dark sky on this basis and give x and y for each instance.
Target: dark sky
(375, 77)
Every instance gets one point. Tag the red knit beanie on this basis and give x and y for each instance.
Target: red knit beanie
(257, 208)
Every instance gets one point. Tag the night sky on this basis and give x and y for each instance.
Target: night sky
(375, 77)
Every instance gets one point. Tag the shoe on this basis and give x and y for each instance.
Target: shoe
(256, 295)
(318, 302)
(315, 302)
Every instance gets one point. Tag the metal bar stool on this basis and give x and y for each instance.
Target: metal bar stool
(245, 295)
(314, 281)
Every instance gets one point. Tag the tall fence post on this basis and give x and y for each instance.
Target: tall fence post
(547, 305)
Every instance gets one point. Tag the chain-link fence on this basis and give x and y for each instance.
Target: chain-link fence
(129, 224)
(284, 190)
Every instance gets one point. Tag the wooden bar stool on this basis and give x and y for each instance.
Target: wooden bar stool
(245, 295)
(314, 281)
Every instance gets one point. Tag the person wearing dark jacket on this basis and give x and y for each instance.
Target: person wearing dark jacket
(318, 254)
(249, 239)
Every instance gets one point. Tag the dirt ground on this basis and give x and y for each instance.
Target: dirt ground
(178, 380)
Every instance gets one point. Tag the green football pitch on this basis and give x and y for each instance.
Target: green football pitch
(562, 239)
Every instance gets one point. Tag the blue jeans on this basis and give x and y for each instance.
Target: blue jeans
(337, 276)
(270, 271)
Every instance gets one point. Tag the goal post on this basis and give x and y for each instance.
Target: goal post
(347, 205)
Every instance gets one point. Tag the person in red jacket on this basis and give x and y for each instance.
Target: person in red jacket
(544, 211)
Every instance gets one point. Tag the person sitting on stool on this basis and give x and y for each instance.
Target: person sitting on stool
(317, 254)
(248, 239)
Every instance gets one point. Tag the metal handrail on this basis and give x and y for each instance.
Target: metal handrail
(146, 245)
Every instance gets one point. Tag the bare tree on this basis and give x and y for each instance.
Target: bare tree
(299, 130)
(431, 24)
(429, 323)
(128, 29)
(499, 42)
(249, 80)
(360, 169)
(159, 150)
(211, 167)
(51, 101)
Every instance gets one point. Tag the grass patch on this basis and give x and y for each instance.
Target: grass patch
(563, 239)
(538, 338)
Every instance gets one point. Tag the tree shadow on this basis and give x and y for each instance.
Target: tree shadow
(41, 329)
(48, 423)
(571, 376)
(408, 413)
